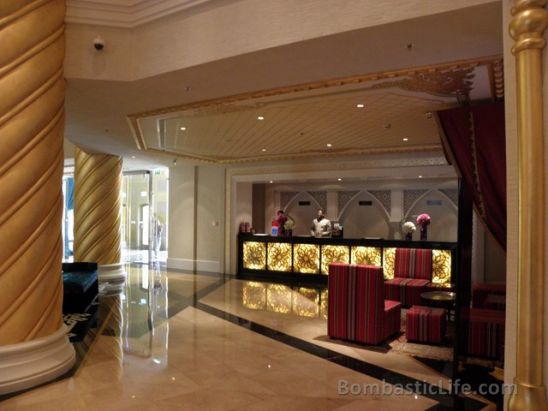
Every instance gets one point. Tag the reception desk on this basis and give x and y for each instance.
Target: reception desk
(308, 258)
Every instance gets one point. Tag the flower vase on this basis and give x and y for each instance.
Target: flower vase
(409, 236)
(424, 232)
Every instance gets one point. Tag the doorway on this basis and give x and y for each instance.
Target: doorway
(144, 216)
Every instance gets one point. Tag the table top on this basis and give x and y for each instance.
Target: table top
(439, 296)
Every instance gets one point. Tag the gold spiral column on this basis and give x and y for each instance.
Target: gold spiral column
(33, 344)
(97, 214)
(527, 26)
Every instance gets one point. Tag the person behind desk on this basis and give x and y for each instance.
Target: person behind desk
(281, 218)
(321, 226)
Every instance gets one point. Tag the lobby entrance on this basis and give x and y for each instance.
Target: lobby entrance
(144, 216)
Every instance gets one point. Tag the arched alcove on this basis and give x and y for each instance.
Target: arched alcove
(443, 212)
(363, 216)
(302, 209)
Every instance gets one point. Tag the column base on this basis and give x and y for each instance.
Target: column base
(31, 363)
(527, 397)
(113, 276)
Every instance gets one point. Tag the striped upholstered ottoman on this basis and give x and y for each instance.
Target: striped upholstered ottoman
(486, 333)
(425, 324)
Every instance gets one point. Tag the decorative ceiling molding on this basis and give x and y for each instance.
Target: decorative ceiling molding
(456, 65)
(435, 159)
(124, 13)
(448, 79)
(300, 156)
(453, 83)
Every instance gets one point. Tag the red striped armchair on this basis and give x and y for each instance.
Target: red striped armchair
(357, 310)
(412, 274)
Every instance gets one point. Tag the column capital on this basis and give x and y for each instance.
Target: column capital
(529, 21)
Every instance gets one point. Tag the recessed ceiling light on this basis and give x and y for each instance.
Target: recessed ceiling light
(420, 176)
(260, 118)
(405, 139)
(263, 150)
(360, 105)
(132, 156)
(183, 128)
(329, 145)
(339, 179)
(271, 181)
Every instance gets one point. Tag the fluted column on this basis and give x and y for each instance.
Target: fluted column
(529, 21)
(33, 344)
(97, 214)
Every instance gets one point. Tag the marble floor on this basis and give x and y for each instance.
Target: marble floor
(178, 341)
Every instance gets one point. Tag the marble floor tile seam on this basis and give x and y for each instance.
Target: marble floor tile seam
(361, 366)
(316, 327)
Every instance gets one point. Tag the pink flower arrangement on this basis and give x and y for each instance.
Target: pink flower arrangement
(423, 220)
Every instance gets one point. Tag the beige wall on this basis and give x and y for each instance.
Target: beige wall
(359, 221)
(512, 195)
(233, 28)
(196, 217)
(244, 204)
(181, 216)
(210, 217)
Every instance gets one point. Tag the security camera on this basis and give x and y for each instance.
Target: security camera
(98, 43)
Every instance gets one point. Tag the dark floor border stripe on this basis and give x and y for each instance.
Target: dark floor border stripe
(446, 400)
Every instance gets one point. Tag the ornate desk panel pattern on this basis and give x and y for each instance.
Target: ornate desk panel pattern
(334, 254)
(254, 255)
(280, 256)
(298, 257)
(366, 255)
(306, 258)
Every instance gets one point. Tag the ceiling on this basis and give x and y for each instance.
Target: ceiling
(398, 85)
(384, 112)
(124, 13)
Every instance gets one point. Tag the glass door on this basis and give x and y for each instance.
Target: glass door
(68, 218)
(159, 214)
(136, 202)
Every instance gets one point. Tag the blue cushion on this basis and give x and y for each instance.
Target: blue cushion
(78, 282)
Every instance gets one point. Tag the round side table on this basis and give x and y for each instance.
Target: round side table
(441, 299)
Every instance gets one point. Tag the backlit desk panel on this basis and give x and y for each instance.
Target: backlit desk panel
(309, 257)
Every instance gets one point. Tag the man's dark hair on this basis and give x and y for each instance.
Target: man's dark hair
(281, 211)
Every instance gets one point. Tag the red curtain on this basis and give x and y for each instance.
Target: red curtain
(474, 137)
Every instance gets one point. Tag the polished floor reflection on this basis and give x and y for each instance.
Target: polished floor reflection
(176, 341)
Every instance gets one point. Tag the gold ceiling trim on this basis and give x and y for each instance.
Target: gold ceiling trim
(450, 83)
(466, 66)
(294, 156)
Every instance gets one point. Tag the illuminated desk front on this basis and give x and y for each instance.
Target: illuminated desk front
(300, 257)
